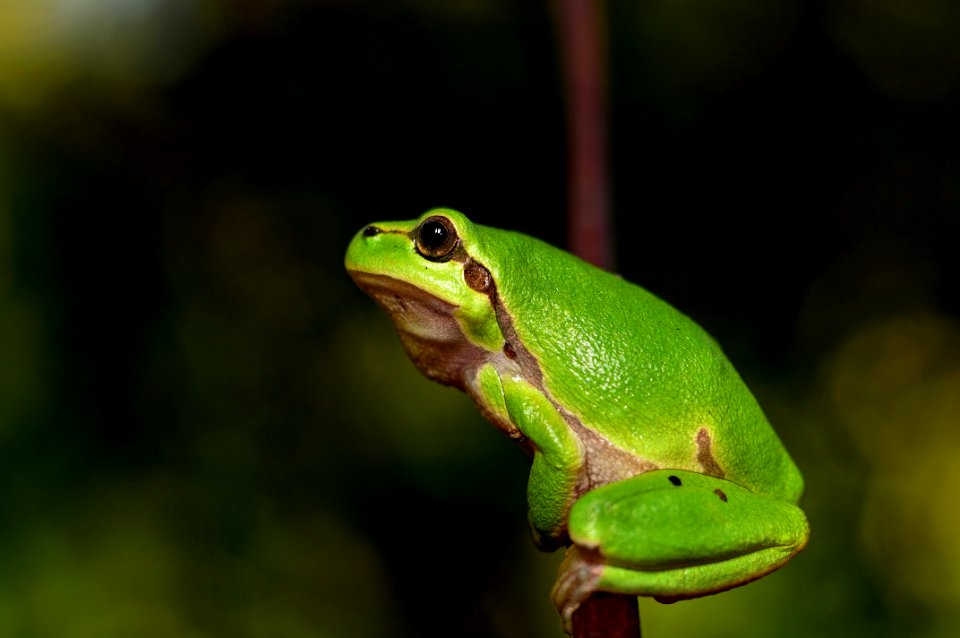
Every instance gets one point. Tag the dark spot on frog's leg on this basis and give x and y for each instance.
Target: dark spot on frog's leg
(719, 492)
(509, 351)
(705, 454)
(675, 480)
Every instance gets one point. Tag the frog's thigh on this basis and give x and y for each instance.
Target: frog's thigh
(675, 534)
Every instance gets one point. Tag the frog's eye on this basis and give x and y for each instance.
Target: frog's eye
(436, 238)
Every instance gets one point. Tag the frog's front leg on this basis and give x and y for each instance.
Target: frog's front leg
(673, 534)
(557, 453)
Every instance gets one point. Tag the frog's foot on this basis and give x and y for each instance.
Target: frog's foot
(579, 574)
(673, 534)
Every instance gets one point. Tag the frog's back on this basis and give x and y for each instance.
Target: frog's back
(635, 370)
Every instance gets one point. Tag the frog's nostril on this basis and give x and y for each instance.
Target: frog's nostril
(370, 231)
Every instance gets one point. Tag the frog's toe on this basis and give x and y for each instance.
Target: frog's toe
(577, 580)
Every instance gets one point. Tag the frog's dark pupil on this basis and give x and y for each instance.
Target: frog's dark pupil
(433, 234)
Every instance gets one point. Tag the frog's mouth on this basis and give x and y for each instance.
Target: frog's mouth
(428, 328)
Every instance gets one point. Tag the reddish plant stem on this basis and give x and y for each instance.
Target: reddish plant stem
(606, 615)
(580, 24)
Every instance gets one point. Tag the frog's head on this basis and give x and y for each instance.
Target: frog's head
(426, 275)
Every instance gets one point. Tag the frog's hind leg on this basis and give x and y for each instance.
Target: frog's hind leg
(674, 534)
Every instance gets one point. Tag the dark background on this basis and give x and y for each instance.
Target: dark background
(206, 430)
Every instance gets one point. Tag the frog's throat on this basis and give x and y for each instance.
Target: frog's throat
(430, 333)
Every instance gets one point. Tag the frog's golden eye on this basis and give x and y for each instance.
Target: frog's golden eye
(436, 238)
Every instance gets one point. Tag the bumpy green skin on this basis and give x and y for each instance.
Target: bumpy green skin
(632, 366)
(618, 396)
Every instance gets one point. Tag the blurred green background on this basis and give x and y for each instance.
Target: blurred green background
(206, 430)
